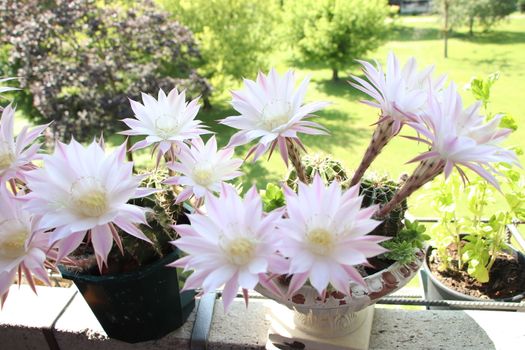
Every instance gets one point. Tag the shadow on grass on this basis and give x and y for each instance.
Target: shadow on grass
(403, 33)
(256, 173)
(211, 117)
(340, 88)
(498, 37)
(343, 132)
(500, 62)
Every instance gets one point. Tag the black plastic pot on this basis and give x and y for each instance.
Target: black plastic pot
(435, 290)
(142, 305)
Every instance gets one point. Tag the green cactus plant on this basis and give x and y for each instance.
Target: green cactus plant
(380, 190)
(328, 168)
(162, 215)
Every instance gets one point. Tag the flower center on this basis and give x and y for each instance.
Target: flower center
(89, 197)
(203, 175)
(167, 126)
(6, 156)
(320, 241)
(240, 251)
(275, 114)
(13, 239)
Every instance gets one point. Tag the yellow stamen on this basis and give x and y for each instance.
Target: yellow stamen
(89, 197)
(240, 251)
(12, 243)
(320, 241)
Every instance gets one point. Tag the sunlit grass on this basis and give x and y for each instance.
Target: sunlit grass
(349, 120)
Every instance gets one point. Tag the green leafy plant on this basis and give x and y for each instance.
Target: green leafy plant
(475, 240)
(480, 87)
(401, 248)
(272, 197)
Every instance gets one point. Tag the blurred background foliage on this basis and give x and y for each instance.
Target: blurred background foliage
(235, 37)
(333, 33)
(79, 60)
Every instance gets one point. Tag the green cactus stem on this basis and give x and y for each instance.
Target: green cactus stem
(381, 190)
(328, 168)
(162, 215)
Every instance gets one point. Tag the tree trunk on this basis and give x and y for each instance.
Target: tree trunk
(446, 4)
(335, 74)
(471, 26)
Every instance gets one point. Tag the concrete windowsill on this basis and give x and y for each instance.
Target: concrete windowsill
(60, 319)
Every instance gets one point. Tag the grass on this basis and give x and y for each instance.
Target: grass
(349, 120)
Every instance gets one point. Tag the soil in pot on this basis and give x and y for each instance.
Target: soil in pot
(506, 278)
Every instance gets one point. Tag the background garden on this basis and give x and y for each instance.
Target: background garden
(78, 61)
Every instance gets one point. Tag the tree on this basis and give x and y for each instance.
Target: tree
(490, 12)
(332, 33)
(79, 61)
(234, 36)
(486, 13)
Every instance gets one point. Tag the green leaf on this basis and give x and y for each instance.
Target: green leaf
(509, 122)
(479, 272)
(272, 197)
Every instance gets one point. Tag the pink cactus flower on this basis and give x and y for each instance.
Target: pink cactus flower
(166, 121)
(233, 245)
(82, 190)
(23, 246)
(400, 93)
(203, 168)
(6, 88)
(272, 111)
(17, 154)
(456, 138)
(325, 235)
(460, 137)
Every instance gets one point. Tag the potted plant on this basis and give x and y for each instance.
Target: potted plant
(106, 228)
(470, 257)
(328, 245)
(312, 249)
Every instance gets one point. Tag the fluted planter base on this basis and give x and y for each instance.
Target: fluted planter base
(329, 323)
(321, 319)
(332, 329)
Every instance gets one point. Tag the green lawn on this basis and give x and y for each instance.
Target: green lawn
(349, 120)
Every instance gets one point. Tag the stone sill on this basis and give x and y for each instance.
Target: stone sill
(59, 319)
